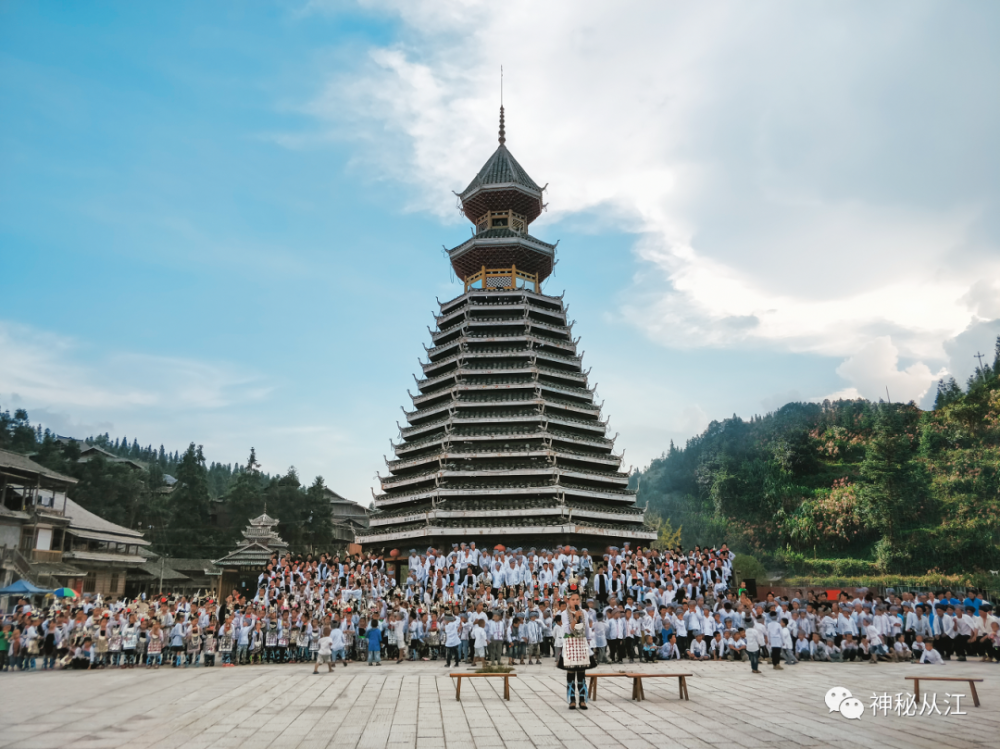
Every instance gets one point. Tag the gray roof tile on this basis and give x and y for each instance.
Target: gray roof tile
(501, 168)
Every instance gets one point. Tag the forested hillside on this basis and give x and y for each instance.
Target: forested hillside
(878, 487)
(202, 515)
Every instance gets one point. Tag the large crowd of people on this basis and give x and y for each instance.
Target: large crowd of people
(502, 607)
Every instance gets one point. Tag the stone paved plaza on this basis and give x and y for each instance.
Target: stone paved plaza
(414, 706)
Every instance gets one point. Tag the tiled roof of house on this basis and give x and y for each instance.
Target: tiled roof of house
(24, 464)
(87, 521)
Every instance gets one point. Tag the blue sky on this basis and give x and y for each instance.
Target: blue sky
(222, 222)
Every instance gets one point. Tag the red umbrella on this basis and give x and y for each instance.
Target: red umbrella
(498, 547)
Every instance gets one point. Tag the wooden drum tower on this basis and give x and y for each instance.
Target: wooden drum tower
(504, 443)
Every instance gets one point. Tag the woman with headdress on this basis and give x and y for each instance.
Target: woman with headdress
(576, 655)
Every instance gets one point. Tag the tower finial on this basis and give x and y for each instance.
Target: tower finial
(503, 135)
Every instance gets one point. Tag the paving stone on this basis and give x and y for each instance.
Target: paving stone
(414, 707)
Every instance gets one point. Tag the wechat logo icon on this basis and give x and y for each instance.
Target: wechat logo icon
(840, 700)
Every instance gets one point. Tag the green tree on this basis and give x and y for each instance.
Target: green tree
(285, 502)
(190, 532)
(317, 517)
(894, 484)
(245, 500)
(114, 491)
(947, 393)
(666, 536)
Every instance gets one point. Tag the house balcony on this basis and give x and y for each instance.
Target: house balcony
(46, 555)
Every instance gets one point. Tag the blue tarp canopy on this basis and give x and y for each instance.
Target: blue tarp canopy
(22, 588)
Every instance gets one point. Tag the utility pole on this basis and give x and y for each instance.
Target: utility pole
(161, 575)
(982, 371)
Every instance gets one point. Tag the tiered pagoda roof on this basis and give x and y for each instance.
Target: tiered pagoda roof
(504, 442)
(260, 541)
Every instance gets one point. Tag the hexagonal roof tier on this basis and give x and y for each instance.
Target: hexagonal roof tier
(502, 184)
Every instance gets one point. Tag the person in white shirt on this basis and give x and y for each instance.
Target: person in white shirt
(452, 640)
(775, 641)
(756, 640)
(875, 644)
(325, 651)
(802, 647)
(717, 648)
(901, 653)
(669, 650)
(931, 655)
(963, 627)
(787, 644)
(338, 649)
(399, 633)
(698, 650)
(480, 640)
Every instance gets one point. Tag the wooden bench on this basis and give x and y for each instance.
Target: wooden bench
(972, 684)
(639, 694)
(506, 682)
(592, 689)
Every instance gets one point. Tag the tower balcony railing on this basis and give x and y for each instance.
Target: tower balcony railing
(600, 458)
(596, 426)
(507, 451)
(432, 352)
(551, 341)
(583, 393)
(565, 374)
(572, 360)
(579, 439)
(500, 398)
(472, 434)
(525, 489)
(504, 366)
(437, 336)
(479, 340)
(506, 399)
(516, 320)
(566, 329)
(498, 352)
(404, 448)
(478, 295)
(464, 509)
(478, 472)
(497, 432)
(421, 428)
(460, 530)
(495, 416)
(484, 383)
(508, 365)
(474, 305)
(453, 454)
(500, 305)
(575, 406)
(502, 279)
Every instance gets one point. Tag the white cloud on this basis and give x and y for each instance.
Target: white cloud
(74, 390)
(807, 178)
(41, 368)
(983, 299)
(874, 373)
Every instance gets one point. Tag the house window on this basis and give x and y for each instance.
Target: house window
(90, 582)
(43, 542)
(114, 584)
